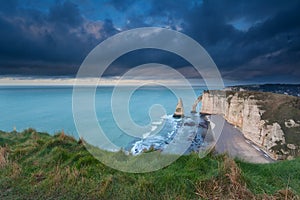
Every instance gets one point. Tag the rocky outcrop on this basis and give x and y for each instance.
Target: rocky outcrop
(179, 112)
(198, 100)
(259, 117)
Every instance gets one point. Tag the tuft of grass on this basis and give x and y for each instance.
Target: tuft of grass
(40, 166)
(228, 184)
(3, 157)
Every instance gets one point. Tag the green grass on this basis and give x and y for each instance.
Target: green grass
(269, 178)
(39, 166)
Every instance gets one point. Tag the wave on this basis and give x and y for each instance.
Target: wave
(159, 140)
(184, 131)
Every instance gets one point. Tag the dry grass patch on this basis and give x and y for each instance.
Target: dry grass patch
(3, 156)
(227, 185)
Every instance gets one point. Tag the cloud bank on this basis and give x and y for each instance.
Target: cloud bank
(249, 40)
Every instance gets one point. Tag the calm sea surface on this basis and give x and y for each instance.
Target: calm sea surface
(49, 109)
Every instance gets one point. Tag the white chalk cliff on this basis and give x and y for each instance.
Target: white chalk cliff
(245, 112)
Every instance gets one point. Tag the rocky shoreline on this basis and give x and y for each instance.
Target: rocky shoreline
(188, 135)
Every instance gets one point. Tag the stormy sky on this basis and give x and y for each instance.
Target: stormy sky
(256, 41)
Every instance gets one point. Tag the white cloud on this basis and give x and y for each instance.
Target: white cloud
(111, 81)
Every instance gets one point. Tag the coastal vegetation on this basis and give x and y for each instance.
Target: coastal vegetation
(40, 166)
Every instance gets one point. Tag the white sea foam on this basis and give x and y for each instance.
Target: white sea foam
(171, 134)
(153, 128)
(157, 123)
(145, 135)
(174, 132)
(155, 140)
(164, 117)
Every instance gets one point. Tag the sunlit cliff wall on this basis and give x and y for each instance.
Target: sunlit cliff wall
(247, 110)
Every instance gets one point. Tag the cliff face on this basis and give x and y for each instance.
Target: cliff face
(255, 114)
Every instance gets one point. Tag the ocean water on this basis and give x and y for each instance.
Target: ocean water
(49, 109)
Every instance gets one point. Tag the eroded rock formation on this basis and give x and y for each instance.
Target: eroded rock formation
(198, 100)
(179, 112)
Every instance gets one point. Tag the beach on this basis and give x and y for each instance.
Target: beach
(232, 141)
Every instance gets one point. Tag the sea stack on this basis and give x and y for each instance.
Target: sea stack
(179, 112)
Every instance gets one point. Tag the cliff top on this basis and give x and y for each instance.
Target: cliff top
(289, 89)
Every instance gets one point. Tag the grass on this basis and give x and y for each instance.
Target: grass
(39, 166)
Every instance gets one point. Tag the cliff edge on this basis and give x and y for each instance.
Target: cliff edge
(271, 121)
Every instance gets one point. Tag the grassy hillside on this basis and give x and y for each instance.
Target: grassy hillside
(39, 166)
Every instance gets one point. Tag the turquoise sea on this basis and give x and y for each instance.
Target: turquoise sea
(49, 109)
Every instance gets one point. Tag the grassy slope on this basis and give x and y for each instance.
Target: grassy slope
(36, 165)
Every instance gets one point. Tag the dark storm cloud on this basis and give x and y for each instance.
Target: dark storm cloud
(250, 40)
(108, 29)
(122, 5)
(248, 10)
(52, 43)
(142, 56)
(8, 6)
(273, 28)
(65, 13)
